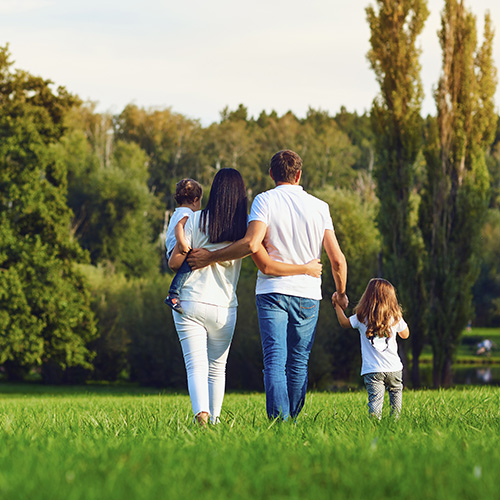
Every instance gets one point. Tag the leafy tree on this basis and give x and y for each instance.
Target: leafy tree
(493, 163)
(154, 355)
(172, 144)
(327, 152)
(44, 301)
(235, 143)
(114, 211)
(487, 288)
(455, 199)
(394, 57)
(239, 114)
(360, 132)
(110, 292)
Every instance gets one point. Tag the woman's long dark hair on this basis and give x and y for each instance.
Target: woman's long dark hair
(226, 209)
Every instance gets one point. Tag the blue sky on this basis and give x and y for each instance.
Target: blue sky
(197, 57)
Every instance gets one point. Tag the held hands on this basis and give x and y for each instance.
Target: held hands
(340, 299)
(313, 268)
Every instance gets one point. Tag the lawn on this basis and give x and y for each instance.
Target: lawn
(473, 336)
(107, 443)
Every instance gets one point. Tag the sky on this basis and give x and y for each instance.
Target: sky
(199, 56)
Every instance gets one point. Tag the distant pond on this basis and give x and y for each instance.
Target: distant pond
(466, 375)
(477, 375)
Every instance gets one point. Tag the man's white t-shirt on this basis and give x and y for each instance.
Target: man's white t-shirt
(382, 355)
(215, 284)
(296, 223)
(179, 213)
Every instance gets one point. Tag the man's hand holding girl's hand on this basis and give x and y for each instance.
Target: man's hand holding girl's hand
(340, 299)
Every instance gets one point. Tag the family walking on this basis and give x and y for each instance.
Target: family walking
(285, 233)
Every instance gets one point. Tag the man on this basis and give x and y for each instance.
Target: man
(293, 226)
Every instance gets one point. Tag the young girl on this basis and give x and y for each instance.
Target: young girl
(378, 317)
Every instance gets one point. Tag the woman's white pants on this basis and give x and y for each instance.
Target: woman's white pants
(205, 332)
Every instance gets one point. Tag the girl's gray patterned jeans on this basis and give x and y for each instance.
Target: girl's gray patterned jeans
(376, 383)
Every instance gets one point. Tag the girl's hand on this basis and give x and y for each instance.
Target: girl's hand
(334, 300)
(343, 319)
(313, 268)
(341, 300)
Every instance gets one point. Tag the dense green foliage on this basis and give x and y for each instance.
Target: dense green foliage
(115, 444)
(107, 191)
(45, 315)
(487, 288)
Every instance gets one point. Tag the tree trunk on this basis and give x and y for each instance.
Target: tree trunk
(442, 373)
(404, 358)
(415, 371)
(14, 371)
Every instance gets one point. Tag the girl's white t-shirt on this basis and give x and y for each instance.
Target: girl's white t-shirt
(215, 284)
(382, 355)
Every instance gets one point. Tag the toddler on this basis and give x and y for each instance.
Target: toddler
(188, 194)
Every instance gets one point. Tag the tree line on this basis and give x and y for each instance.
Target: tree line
(85, 198)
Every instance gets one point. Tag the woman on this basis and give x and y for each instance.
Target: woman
(208, 297)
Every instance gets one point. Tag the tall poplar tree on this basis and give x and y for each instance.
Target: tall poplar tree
(394, 56)
(455, 199)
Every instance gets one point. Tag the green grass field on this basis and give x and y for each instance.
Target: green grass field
(105, 443)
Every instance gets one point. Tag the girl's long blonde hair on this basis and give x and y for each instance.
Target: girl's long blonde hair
(378, 308)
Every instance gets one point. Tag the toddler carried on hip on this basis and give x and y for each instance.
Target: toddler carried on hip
(188, 194)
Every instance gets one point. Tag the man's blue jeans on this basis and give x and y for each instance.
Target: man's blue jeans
(287, 327)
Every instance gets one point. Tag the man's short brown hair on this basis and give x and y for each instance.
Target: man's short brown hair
(285, 165)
